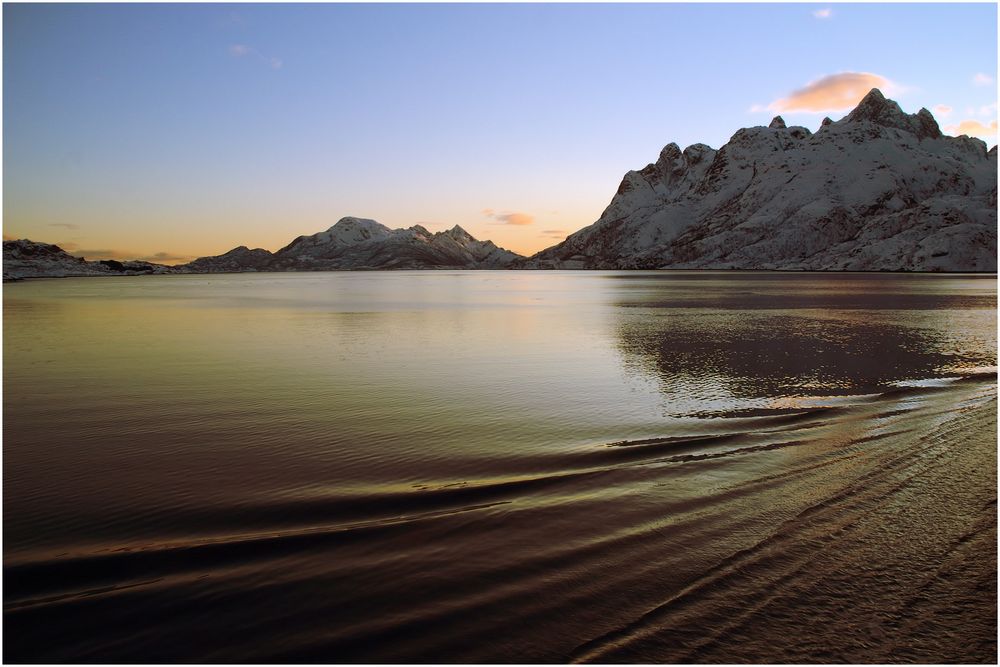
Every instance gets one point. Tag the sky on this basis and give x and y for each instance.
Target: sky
(167, 132)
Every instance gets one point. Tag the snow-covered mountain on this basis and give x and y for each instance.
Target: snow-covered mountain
(359, 243)
(877, 190)
(237, 260)
(29, 259)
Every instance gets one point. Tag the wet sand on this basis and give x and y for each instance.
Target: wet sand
(895, 564)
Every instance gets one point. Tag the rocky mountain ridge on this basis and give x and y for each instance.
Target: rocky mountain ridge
(360, 243)
(879, 190)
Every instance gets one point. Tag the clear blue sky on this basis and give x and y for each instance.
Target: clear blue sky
(132, 130)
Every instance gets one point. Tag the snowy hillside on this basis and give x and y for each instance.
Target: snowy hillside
(877, 190)
(30, 259)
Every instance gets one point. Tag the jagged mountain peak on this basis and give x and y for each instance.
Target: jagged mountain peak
(878, 109)
(927, 125)
(777, 123)
(458, 232)
(873, 106)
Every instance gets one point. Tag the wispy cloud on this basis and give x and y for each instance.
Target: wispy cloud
(973, 128)
(942, 110)
(824, 13)
(242, 50)
(510, 218)
(554, 233)
(981, 79)
(64, 225)
(834, 92)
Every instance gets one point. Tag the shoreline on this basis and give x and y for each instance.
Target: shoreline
(18, 279)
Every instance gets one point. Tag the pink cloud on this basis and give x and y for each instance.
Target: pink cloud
(973, 128)
(516, 218)
(510, 218)
(835, 92)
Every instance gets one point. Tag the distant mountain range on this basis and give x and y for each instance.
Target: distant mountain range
(878, 190)
(358, 243)
(352, 243)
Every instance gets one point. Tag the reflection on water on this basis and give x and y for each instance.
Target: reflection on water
(473, 466)
(779, 337)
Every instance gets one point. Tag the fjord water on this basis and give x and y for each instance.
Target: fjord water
(500, 466)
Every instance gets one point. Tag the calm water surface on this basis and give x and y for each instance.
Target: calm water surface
(470, 466)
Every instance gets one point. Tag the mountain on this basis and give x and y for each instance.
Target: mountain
(359, 243)
(237, 260)
(877, 190)
(30, 259)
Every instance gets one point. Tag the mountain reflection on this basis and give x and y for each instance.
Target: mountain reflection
(786, 335)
